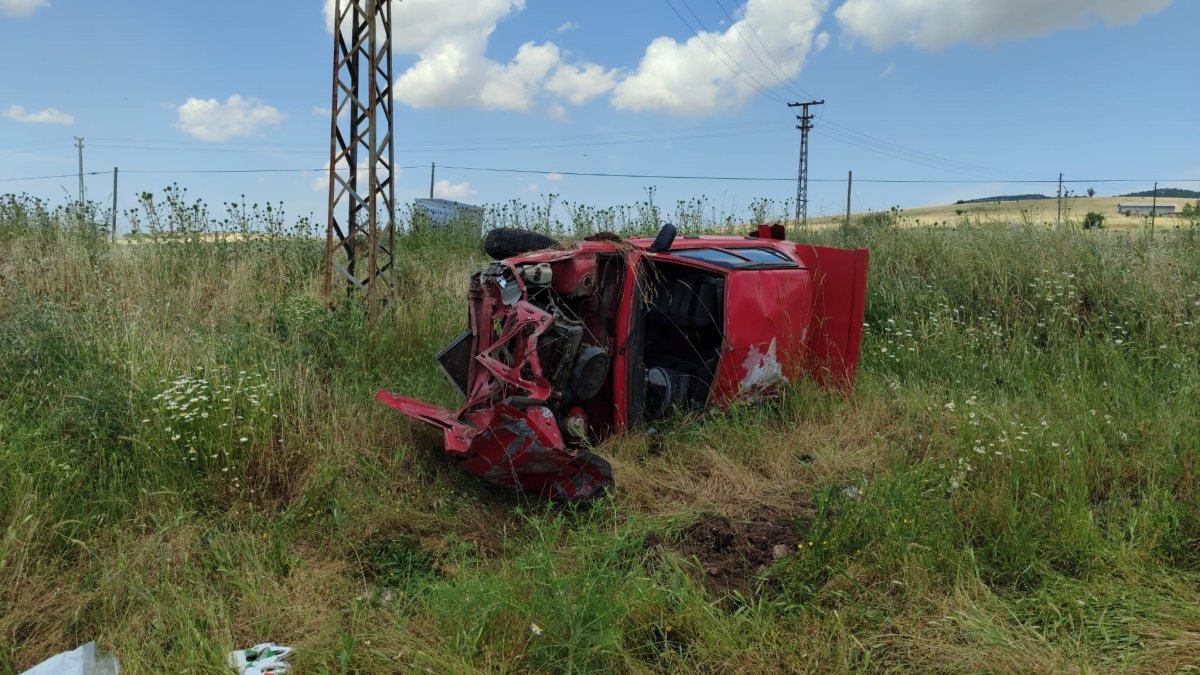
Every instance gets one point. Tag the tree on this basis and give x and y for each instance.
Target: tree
(1191, 213)
(1091, 192)
(1093, 220)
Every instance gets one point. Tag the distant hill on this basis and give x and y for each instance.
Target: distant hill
(1003, 198)
(1176, 193)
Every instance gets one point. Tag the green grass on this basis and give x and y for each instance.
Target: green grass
(1022, 444)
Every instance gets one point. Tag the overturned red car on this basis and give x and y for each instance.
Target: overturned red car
(568, 346)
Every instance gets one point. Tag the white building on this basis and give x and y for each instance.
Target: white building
(1145, 209)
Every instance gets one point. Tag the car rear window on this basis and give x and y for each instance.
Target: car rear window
(736, 258)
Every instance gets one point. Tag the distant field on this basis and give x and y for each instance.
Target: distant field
(1035, 211)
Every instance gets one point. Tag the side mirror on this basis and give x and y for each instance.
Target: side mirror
(666, 237)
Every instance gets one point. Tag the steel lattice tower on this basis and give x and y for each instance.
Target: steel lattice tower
(802, 179)
(361, 147)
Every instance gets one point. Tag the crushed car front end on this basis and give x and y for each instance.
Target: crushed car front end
(535, 369)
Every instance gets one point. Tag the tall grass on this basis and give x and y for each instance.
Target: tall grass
(191, 462)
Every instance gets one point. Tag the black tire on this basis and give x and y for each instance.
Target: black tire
(506, 242)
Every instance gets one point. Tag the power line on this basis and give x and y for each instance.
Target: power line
(614, 175)
(459, 141)
(587, 174)
(811, 180)
(873, 140)
(757, 36)
(33, 145)
(753, 82)
(732, 58)
(61, 175)
(263, 151)
(482, 145)
(450, 148)
(894, 155)
(778, 75)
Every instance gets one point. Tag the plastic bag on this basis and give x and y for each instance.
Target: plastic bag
(81, 661)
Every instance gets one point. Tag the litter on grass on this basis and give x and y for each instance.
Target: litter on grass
(81, 661)
(262, 659)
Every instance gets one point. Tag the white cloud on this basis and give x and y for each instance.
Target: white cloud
(887, 72)
(21, 8)
(822, 42)
(47, 116)
(566, 26)
(423, 23)
(321, 111)
(444, 189)
(450, 40)
(695, 77)
(580, 84)
(211, 120)
(936, 24)
(513, 86)
(554, 177)
(532, 187)
(557, 112)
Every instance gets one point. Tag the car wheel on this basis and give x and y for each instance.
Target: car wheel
(506, 242)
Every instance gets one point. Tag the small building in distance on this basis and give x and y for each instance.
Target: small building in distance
(1145, 209)
(443, 212)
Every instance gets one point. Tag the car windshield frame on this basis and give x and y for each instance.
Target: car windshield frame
(733, 258)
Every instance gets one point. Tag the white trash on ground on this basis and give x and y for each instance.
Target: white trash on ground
(81, 661)
(261, 659)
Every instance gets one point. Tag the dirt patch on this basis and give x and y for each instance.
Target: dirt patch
(734, 555)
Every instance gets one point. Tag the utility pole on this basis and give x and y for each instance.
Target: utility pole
(79, 145)
(361, 137)
(1060, 197)
(1154, 206)
(432, 174)
(114, 210)
(849, 189)
(805, 126)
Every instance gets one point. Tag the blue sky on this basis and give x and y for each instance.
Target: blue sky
(926, 90)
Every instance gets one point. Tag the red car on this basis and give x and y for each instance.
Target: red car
(568, 347)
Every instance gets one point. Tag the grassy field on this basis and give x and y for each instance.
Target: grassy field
(192, 462)
(1036, 212)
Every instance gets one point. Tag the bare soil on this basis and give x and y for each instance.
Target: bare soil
(734, 556)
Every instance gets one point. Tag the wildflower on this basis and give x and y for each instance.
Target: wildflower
(535, 629)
